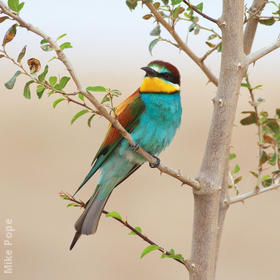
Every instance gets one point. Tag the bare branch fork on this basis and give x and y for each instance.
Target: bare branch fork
(190, 266)
(100, 108)
(181, 44)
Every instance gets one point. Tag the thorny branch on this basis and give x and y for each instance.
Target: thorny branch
(186, 263)
(199, 12)
(100, 108)
(181, 44)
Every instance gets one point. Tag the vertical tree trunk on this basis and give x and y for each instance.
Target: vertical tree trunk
(208, 215)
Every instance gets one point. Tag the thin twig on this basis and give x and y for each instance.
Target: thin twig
(199, 12)
(181, 44)
(100, 108)
(210, 51)
(186, 263)
(243, 197)
(259, 125)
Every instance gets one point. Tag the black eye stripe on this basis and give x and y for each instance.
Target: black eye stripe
(169, 77)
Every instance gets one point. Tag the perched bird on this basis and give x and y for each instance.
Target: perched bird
(152, 114)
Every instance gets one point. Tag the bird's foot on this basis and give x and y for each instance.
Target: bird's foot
(134, 147)
(156, 164)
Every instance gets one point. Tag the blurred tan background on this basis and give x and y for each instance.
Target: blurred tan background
(41, 155)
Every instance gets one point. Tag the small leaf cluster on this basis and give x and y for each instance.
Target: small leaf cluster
(15, 6)
(69, 198)
(270, 20)
(269, 142)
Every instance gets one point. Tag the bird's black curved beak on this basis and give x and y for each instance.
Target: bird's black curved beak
(150, 72)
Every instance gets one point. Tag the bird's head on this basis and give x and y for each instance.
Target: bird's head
(161, 77)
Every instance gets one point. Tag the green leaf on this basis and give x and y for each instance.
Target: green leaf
(20, 6)
(64, 196)
(176, 2)
(267, 21)
(132, 4)
(66, 45)
(152, 45)
(137, 229)
(10, 84)
(73, 204)
(273, 125)
(81, 96)
(90, 120)
(245, 85)
(252, 118)
(232, 156)
(211, 37)
(278, 113)
(54, 57)
(165, 2)
(13, 4)
(79, 114)
(114, 214)
(10, 34)
(258, 86)
(52, 80)
(272, 161)
(209, 44)
(200, 6)
(237, 180)
(191, 27)
(254, 174)
(96, 88)
(40, 90)
(26, 91)
(57, 101)
(236, 169)
(61, 36)
(149, 249)
(148, 16)
(3, 18)
(220, 48)
(43, 75)
(264, 157)
(155, 31)
(106, 98)
(62, 83)
(44, 41)
(21, 54)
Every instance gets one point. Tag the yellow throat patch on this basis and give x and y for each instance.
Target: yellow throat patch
(155, 84)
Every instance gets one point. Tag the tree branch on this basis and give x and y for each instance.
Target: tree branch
(181, 44)
(252, 24)
(252, 58)
(100, 108)
(199, 12)
(186, 263)
(243, 197)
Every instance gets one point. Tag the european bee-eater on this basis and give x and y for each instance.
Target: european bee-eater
(152, 114)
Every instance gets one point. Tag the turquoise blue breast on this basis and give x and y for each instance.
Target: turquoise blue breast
(159, 122)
